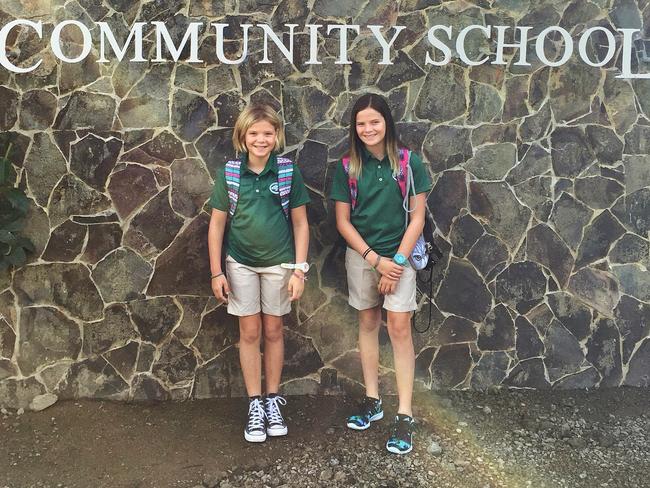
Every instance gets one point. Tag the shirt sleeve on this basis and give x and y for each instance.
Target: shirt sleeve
(340, 189)
(219, 198)
(299, 195)
(421, 176)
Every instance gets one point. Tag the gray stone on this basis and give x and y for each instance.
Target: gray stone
(515, 98)
(490, 370)
(329, 328)
(45, 165)
(604, 352)
(215, 147)
(495, 202)
(87, 110)
(445, 147)
(312, 161)
(18, 393)
(302, 358)
(570, 152)
(485, 104)
(537, 125)
(216, 378)
(448, 197)
(494, 133)
(442, 97)
(569, 217)
(45, 337)
(113, 331)
(93, 378)
(599, 237)
(131, 187)
(92, 159)
(191, 186)
(176, 363)
(634, 280)
(642, 89)
(563, 352)
(7, 370)
(598, 192)
(492, 162)
(102, 239)
(530, 373)
(402, 70)
(606, 145)
(8, 107)
(572, 88)
(585, 379)
(528, 342)
(64, 285)
(637, 374)
(630, 249)
(455, 330)
(520, 283)
(154, 318)
(71, 196)
(154, 227)
(463, 292)
(7, 338)
(181, 268)
(121, 276)
(571, 313)
(465, 231)
(329, 8)
(218, 331)
(545, 247)
(637, 140)
(228, 105)
(620, 103)
(487, 253)
(124, 359)
(37, 110)
(41, 402)
(536, 194)
(637, 211)
(598, 289)
(633, 321)
(144, 111)
(66, 242)
(451, 366)
(637, 172)
(497, 331)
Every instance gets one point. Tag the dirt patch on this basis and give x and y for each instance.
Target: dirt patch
(464, 439)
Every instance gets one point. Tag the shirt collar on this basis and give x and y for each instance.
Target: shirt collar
(271, 164)
(367, 155)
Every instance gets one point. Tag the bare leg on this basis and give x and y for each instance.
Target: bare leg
(369, 322)
(399, 330)
(273, 351)
(250, 329)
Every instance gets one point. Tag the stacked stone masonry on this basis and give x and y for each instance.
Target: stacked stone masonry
(541, 199)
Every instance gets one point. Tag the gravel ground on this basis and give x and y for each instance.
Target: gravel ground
(464, 439)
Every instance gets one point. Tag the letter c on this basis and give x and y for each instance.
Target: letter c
(4, 33)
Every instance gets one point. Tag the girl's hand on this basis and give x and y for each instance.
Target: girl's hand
(389, 269)
(296, 287)
(220, 288)
(386, 285)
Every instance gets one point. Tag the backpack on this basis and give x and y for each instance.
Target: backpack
(425, 253)
(233, 177)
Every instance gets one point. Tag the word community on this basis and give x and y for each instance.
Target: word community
(436, 36)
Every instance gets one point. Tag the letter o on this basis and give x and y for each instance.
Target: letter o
(55, 41)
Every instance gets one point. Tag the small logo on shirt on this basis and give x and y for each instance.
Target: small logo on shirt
(273, 188)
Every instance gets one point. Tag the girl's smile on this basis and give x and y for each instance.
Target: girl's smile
(371, 129)
(260, 140)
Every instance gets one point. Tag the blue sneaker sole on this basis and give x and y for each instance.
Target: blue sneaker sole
(374, 418)
(394, 449)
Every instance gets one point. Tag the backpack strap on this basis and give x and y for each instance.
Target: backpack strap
(285, 177)
(404, 156)
(352, 182)
(233, 175)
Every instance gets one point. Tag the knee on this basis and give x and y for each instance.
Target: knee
(399, 331)
(369, 325)
(249, 335)
(273, 332)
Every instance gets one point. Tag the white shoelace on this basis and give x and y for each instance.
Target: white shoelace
(255, 415)
(273, 410)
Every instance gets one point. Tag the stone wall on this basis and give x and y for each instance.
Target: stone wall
(541, 198)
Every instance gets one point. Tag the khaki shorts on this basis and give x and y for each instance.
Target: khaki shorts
(363, 281)
(255, 289)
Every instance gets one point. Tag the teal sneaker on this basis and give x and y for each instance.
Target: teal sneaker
(370, 410)
(401, 437)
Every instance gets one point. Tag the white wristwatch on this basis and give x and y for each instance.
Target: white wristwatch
(304, 267)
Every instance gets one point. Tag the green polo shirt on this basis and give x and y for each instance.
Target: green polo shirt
(259, 234)
(378, 215)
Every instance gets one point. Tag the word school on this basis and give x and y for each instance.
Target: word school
(434, 36)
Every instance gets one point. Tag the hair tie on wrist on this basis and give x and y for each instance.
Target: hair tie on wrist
(366, 252)
(217, 275)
